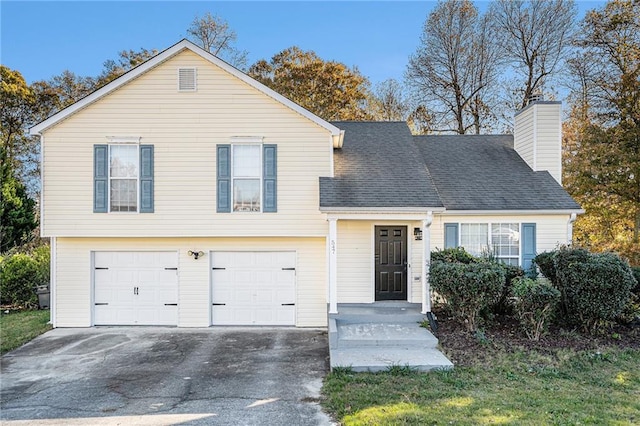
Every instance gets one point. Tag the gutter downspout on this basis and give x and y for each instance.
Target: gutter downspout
(572, 219)
(426, 261)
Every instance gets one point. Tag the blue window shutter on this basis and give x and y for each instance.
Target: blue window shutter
(450, 235)
(528, 242)
(223, 173)
(270, 174)
(100, 178)
(146, 178)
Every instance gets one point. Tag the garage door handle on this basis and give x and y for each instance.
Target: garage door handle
(288, 304)
(170, 304)
(101, 304)
(218, 269)
(101, 268)
(170, 269)
(218, 304)
(288, 269)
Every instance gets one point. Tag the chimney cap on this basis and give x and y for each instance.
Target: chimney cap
(535, 97)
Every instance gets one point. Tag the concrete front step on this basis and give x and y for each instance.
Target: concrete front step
(381, 359)
(383, 334)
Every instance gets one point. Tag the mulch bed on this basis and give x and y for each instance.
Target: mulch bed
(504, 334)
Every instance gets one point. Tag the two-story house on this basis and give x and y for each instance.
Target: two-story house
(186, 193)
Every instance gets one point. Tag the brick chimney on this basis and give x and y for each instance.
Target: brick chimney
(538, 136)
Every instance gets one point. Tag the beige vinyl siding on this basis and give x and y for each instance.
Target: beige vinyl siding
(548, 146)
(524, 139)
(356, 268)
(537, 138)
(184, 128)
(74, 277)
(551, 230)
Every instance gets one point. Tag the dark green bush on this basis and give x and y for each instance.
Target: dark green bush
(457, 254)
(636, 274)
(545, 262)
(467, 288)
(535, 303)
(511, 272)
(20, 274)
(595, 288)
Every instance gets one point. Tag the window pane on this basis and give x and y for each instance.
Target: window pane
(123, 161)
(505, 239)
(246, 161)
(246, 195)
(124, 195)
(474, 237)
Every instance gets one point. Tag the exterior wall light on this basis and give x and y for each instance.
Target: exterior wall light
(195, 254)
(417, 234)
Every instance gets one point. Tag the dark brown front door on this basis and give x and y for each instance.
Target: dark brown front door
(391, 262)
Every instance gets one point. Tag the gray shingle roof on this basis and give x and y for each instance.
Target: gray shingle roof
(484, 172)
(378, 166)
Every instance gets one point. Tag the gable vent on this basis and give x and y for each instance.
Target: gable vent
(187, 79)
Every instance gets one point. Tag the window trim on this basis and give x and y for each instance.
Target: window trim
(259, 177)
(109, 177)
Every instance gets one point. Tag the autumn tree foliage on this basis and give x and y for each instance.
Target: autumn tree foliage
(602, 138)
(329, 89)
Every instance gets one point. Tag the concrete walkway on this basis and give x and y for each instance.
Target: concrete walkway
(374, 337)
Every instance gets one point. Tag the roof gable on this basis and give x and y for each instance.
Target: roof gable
(164, 56)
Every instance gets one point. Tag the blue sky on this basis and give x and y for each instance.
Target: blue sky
(42, 39)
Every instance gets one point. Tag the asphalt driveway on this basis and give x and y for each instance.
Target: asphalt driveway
(155, 376)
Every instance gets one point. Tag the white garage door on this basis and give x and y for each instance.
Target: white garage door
(253, 288)
(136, 288)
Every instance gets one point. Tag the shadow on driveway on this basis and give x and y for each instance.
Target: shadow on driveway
(153, 376)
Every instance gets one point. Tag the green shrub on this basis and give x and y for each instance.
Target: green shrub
(20, 274)
(511, 272)
(467, 288)
(595, 288)
(535, 303)
(636, 274)
(457, 254)
(545, 262)
(19, 280)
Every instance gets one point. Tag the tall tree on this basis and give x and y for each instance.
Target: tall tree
(214, 35)
(535, 36)
(127, 59)
(17, 105)
(389, 102)
(329, 89)
(604, 166)
(454, 67)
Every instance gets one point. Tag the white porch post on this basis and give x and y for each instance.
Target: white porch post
(426, 261)
(333, 266)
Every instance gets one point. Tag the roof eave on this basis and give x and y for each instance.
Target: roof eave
(515, 212)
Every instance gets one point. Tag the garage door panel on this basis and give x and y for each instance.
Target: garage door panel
(135, 288)
(253, 286)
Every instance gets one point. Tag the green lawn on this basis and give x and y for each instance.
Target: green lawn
(562, 387)
(17, 328)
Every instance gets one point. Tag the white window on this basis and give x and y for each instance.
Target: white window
(123, 178)
(246, 166)
(474, 237)
(503, 241)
